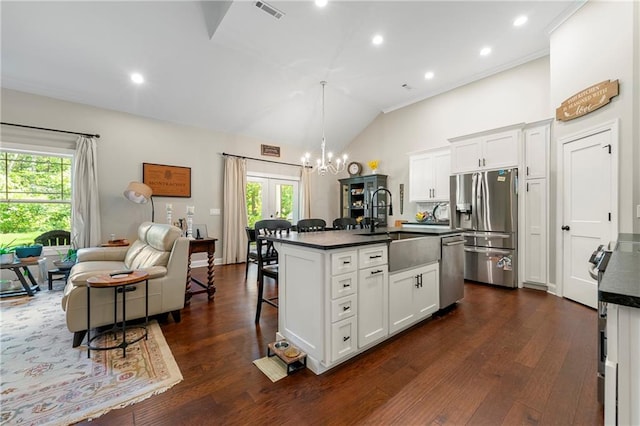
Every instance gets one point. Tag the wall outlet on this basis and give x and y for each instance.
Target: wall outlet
(214, 212)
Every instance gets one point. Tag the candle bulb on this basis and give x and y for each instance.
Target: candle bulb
(191, 209)
(169, 207)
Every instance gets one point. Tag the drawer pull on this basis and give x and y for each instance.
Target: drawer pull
(377, 271)
(346, 262)
(345, 338)
(346, 285)
(346, 308)
(377, 256)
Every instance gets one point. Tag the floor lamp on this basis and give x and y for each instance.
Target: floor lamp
(140, 193)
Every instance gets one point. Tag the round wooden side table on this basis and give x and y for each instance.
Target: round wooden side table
(119, 283)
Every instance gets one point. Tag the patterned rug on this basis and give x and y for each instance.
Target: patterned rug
(43, 380)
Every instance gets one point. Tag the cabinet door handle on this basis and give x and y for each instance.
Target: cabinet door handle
(484, 161)
(375, 257)
(377, 271)
(527, 170)
(527, 186)
(417, 281)
(345, 338)
(479, 163)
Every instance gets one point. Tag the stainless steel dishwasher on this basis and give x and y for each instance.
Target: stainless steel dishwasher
(451, 270)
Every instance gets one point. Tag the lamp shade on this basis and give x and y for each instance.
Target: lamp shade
(138, 192)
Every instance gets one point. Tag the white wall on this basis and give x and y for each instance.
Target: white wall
(601, 42)
(517, 95)
(126, 141)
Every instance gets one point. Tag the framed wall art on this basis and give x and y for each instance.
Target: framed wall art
(167, 181)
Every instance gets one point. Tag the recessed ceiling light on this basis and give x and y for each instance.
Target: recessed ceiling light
(137, 78)
(428, 75)
(485, 51)
(321, 3)
(377, 39)
(520, 20)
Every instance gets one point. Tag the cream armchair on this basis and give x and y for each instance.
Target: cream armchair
(159, 250)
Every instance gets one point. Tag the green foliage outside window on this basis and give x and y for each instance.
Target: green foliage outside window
(35, 195)
(254, 203)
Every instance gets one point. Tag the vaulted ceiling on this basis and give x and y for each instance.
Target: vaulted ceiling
(233, 67)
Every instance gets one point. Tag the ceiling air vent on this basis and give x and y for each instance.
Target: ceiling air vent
(270, 9)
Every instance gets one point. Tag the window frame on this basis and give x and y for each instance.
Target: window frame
(46, 151)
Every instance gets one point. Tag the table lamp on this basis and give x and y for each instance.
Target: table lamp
(140, 193)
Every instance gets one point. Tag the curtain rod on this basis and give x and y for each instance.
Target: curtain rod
(51, 130)
(261, 159)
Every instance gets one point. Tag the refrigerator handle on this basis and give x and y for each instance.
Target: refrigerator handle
(474, 201)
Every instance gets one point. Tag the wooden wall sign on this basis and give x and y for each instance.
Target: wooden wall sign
(587, 100)
(167, 181)
(270, 150)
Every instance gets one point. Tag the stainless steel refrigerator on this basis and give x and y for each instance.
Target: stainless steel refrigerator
(485, 206)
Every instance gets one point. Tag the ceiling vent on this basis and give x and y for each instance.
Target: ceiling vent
(270, 9)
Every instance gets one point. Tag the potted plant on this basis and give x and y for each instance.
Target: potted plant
(68, 258)
(32, 250)
(6, 252)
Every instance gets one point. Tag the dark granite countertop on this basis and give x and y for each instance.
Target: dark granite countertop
(621, 280)
(329, 240)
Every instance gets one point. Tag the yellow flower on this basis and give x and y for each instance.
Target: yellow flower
(373, 164)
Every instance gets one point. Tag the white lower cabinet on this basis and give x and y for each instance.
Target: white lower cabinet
(343, 338)
(413, 295)
(373, 311)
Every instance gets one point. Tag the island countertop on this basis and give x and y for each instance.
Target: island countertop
(621, 281)
(328, 240)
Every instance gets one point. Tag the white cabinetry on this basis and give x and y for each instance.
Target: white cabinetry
(413, 295)
(536, 142)
(373, 290)
(344, 304)
(490, 151)
(429, 175)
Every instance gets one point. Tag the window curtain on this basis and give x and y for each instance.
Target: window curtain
(305, 193)
(234, 236)
(85, 205)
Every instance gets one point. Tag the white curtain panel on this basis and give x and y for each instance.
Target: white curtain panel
(85, 226)
(305, 194)
(234, 236)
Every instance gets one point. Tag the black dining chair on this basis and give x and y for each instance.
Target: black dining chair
(311, 225)
(252, 252)
(345, 223)
(266, 253)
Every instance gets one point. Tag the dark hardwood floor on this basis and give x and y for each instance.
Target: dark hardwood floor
(512, 357)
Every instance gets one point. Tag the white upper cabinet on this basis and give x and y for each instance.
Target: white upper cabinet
(536, 141)
(429, 175)
(492, 151)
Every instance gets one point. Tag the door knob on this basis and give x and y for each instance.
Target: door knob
(565, 228)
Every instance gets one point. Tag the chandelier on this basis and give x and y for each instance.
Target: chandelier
(325, 163)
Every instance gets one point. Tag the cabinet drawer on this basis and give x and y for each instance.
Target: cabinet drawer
(344, 285)
(374, 256)
(343, 338)
(344, 308)
(343, 262)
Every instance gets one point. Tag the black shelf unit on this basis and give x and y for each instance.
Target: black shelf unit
(355, 196)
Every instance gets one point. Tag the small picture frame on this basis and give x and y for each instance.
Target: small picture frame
(200, 232)
(270, 150)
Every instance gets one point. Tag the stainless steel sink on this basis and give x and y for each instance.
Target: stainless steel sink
(409, 249)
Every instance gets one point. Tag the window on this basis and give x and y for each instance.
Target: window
(270, 198)
(35, 194)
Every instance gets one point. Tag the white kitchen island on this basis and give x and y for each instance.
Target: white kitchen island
(334, 298)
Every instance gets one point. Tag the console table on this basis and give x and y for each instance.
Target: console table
(203, 245)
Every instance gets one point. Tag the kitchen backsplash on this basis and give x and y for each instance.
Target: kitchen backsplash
(432, 214)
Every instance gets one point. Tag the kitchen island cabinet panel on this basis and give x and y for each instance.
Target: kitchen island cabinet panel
(373, 288)
(413, 296)
(343, 338)
(299, 310)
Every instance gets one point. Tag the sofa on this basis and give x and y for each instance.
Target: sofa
(159, 250)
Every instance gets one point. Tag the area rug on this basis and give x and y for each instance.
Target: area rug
(43, 380)
(272, 367)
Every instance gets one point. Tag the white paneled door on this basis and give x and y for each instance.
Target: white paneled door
(588, 210)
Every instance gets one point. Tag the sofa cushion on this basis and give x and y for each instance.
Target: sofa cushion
(153, 246)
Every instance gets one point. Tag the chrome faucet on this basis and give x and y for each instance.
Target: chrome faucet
(372, 223)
